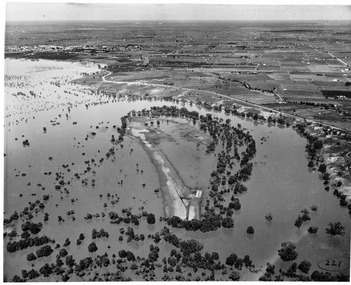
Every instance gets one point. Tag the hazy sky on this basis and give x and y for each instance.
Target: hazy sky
(204, 10)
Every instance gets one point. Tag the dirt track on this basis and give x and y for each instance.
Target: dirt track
(259, 107)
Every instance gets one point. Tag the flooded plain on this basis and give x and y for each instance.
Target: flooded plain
(59, 142)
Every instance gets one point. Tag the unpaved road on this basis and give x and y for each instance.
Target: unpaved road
(217, 95)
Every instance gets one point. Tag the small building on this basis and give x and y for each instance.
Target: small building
(340, 97)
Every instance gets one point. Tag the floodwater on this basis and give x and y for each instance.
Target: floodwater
(282, 184)
(79, 125)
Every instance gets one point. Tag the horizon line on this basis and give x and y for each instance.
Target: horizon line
(186, 20)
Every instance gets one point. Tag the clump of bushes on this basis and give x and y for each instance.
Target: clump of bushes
(287, 251)
(44, 251)
(250, 230)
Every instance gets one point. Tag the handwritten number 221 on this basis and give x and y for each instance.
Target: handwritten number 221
(333, 263)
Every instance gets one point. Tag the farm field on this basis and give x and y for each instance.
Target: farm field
(177, 151)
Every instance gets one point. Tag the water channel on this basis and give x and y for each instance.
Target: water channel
(281, 182)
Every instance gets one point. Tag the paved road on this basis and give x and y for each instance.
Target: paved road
(218, 95)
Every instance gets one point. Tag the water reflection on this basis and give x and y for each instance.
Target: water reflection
(281, 183)
(228, 232)
(334, 242)
(151, 227)
(134, 245)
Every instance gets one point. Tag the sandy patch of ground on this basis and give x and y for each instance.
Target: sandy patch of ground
(171, 182)
(331, 159)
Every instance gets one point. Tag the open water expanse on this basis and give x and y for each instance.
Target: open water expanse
(79, 125)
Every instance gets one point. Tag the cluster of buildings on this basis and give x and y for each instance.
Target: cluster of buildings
(85, 48)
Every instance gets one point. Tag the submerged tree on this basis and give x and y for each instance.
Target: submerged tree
(150, 218)
(92, 247)
(322, 168)
(268, 217)
(227, 222)
(304, 266)
(335, 229)
(31, 256)
(231, 259)
(44, 251)
(287, 251)
(250, 230)
(313, 229)
(235, 276)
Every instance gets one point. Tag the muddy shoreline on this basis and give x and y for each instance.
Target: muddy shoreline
(180, 200)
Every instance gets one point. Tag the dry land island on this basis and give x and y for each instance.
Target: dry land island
(216, 152)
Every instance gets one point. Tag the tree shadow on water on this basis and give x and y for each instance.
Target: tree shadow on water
(250, 236)
(334, 242)
(227, 232)
(151, 227)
